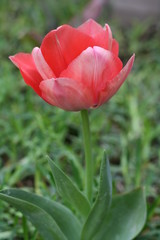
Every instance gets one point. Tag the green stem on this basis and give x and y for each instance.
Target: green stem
(37, 179)
(88, 155)
(25, 228)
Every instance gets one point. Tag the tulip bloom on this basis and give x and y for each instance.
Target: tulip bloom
(75, 68)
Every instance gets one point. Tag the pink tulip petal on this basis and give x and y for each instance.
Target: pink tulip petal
(62, 45)
(113, 85)
(101, 36)
(115, 47)
(44, 70)
(91, 28)
(109, 33)
(101, 40)
(28, 70)
(66, 93)
(95, 31)
(88, 69)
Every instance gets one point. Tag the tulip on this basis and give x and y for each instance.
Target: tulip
(75, 68)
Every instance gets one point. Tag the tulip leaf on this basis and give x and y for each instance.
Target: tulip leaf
(102, 204)
(69, 191)
(125, 218)
(44, 223)
(64, 218)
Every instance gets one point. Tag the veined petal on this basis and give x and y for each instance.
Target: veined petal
(88, 69)
(44, 70)
(62, 45)
(67, 94)
(25, 63)
(114, 84)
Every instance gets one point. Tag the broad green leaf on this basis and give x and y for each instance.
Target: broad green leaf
(44, 223)
(125, 218)
(102, 204)
(69, 191)
(64, 218)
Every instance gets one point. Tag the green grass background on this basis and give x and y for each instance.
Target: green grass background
(128, 126)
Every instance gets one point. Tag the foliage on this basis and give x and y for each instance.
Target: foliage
(54, 221)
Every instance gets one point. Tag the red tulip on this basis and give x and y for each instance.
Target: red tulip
(75, 68)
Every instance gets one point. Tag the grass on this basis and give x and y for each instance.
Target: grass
(127, 126)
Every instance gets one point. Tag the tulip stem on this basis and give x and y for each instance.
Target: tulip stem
(88, 155)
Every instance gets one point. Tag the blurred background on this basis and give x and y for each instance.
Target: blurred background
(128, 126)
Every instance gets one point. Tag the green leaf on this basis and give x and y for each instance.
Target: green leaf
(44, 223)
(125, 218)
(102, 204)
(64, 218)
(69, 191)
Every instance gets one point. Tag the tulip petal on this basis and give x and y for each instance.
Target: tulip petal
(101, 36)
(44, 70)
(109, 33)
(113, 85)
(62, 45)
(115, 47)
(91, 28)
(88, 69)
(95, 30)
(66, 93)
(25, 63)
